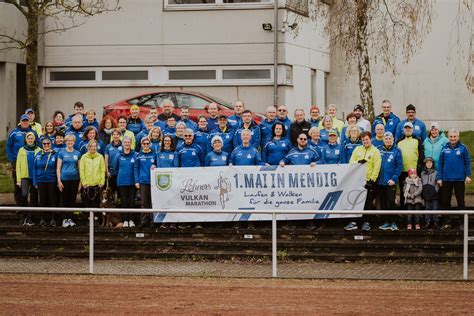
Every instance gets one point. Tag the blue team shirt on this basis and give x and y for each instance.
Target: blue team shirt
(70, 166)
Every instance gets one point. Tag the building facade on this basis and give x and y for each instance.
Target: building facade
(219, 47)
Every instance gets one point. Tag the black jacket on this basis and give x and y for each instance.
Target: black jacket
(297, 128)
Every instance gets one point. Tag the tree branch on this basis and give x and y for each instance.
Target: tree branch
(18, 6)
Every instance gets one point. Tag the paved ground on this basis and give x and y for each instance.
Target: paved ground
(84, 294)
(320, 270)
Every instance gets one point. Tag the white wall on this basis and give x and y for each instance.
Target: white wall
(12, 23)
(428, 81)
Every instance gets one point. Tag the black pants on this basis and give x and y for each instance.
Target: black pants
(446, 192)
(386, 195)
(16, 189)
(401, 183)
(92, 196)
(127, 200)
(145, 193)
(48, 197)
(69, 195)
(28, 190)
(113, 184)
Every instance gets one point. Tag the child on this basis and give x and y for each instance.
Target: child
(412, 192)
(430, 191)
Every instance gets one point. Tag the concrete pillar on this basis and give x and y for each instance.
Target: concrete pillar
(8, 117)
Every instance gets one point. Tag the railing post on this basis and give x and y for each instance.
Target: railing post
(274, 245)
(91, 242)
(465, 259)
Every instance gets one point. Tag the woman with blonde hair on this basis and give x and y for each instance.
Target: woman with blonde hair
(155, 135)
(351, 141)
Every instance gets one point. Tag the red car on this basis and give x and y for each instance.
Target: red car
(196, 101)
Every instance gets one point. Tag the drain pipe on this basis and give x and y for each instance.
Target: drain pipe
(275, 53)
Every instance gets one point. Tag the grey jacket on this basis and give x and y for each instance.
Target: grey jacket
(412, 190)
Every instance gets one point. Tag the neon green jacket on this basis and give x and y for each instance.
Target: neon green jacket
(24, 162)
(37, 128)
(373, 158)
(412, 152)
(92, 169)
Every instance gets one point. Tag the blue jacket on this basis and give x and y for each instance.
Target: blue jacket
(50, 137)
(68, 121)
(167, 159)
(245, 156)
(298, 156)
(16, 140)
(254, 139)
(433, 147)
(135, 125)
(314, 122)
(343, 134)
(324, 137)
(419, 129)
(454, 163)
(317, 147)
(212, 123)
(125, 167)
(57, 148)
(113, 152)
(155, 146)
(160, 124)
(376, 142)
(143, 165)
(266, 131)
(70, 164)
(190, 124)
(275, 150)
(214, 159)
(332, 154)
(234, 121)
(287, 122)
(349, 148)
(191, 156)
(44, 169)
(201, 138)
(179, 142)
(138, 138)
(390, 123)
(392, 165)
(84, 143)
(78, 133)
(227, 138)
(94, 123)
(169, 131)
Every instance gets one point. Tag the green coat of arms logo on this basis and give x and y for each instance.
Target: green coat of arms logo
(163, 181)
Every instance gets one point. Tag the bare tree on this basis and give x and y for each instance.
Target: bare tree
(387, 32)
(43, 17)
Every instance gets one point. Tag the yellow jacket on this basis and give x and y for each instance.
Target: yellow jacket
(24, 162)
(92, 169)
(373, 158)
(37, 128)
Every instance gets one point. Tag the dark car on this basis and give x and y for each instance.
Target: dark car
(196, 101)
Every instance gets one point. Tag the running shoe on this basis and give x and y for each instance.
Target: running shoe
(366, 227)
(351, 226)
(394, 227)
(131, 224)
(71, 223)
(386, 226)
(125, 224)
(65, 223)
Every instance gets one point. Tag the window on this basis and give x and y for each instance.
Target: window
(218, 4)
(72, 76)
(249, 74)
(157, 99)
(124, 75)
(192, 74)
(190, 100)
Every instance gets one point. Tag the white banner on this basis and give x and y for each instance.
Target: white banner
(323, 187)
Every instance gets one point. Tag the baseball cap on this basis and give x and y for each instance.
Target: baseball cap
(388, 134)
(332, 132)
(134, 107)
(29, 110)
(411, 171)
(222, 116)
(24, 117)
(408, 124)
(358, 107)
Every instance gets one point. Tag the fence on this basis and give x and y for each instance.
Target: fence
(274, 214)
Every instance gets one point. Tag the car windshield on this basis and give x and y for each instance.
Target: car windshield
(218, 100)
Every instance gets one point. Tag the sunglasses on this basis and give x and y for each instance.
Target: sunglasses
(146, 143)
(302, 138)
(282, 110)
(187, 136)
(46, 143)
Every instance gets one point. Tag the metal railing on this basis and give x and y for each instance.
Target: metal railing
(274, 214)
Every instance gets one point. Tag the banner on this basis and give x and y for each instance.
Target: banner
(322, 187)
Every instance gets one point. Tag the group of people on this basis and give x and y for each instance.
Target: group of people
(78, 153)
